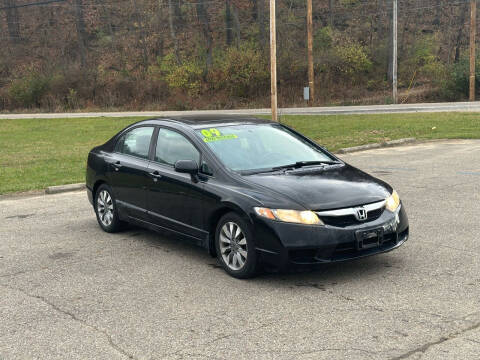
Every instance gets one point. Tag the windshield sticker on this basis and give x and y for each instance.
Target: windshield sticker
(213, 134)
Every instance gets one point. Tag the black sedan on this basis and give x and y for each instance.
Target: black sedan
(249, 191)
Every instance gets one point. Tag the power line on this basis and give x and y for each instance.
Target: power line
(336, 9)
(187, 3)
(32, 4)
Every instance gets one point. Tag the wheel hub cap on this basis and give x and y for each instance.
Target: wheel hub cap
(233, 246)
(105, 207)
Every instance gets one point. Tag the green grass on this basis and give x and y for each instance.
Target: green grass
(36, 153)
(340, 131)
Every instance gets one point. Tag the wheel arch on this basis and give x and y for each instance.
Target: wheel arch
(96, 185)
(225, 208)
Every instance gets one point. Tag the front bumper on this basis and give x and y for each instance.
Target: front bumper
(281, 244)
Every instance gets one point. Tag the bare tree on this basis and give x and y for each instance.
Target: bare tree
(258, 15)
(142, 36)
(330, 13)
(158, 29)
(438, 12)
(13, 20)
(236, 24)
(171, 24)
(458, 43)
(228, 23)
(81, 32)
(207, 32)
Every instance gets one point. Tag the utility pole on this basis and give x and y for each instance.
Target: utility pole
(311, 75)
(473, 30)
(273, 60)
(395, 52)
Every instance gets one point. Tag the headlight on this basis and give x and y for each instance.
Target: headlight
(291, 216)
(393, 201)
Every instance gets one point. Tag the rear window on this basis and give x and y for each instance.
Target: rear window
(136, 142)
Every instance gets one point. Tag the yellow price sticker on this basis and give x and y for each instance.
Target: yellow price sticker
(221, 137)
(211, 132)
(214, 134)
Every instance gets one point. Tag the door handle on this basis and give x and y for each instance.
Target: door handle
(117, 165)
(155, 175)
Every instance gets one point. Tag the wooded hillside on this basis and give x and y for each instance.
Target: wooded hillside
(58, 55)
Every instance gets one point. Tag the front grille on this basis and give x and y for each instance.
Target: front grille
(349, 220)
(348, 250)
(344, 251)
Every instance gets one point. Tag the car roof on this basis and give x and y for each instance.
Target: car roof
(203, 121)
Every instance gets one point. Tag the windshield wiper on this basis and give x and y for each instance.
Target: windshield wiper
(296, 165)
(300, 164)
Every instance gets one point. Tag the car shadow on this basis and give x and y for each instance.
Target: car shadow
(167, 242)
(319, 276)
(327, 275)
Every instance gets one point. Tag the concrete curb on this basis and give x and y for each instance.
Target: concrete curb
(390, 143)
(64, 188)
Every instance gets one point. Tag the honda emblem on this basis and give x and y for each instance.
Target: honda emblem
(361, 214)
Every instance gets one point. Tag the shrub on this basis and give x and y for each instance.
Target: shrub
(186, 76)
(352, 59)
(323, 38)
(3, 99)
(72, 99)
(422, 61)
(349, 3)
(28, 91)
(458, 79)
(242, 71)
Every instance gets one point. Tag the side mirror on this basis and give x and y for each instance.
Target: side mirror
(186, 166)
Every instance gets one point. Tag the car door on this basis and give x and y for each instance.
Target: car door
(128, 171)
(174, 200)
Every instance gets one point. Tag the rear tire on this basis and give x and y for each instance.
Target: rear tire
(106, 210)
(235, 246)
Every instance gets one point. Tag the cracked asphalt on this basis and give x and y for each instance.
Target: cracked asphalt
(69, 290)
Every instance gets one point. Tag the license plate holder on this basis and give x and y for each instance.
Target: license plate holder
(367, 239)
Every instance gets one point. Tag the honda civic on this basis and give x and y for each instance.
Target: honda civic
(253, 193)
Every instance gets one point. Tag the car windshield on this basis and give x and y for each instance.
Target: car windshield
(255, 148)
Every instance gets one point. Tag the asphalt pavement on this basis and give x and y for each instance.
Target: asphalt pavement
(70, 291)
(329, 110)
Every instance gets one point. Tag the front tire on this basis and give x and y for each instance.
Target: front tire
(235, 246)
(106, 210)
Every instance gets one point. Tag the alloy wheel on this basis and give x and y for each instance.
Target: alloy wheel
(233, 246)
(105, 207)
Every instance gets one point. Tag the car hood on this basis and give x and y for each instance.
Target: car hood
(333, 187)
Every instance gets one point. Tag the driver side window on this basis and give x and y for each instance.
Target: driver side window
(173, 146)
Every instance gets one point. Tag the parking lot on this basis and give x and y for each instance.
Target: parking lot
(69, 290)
